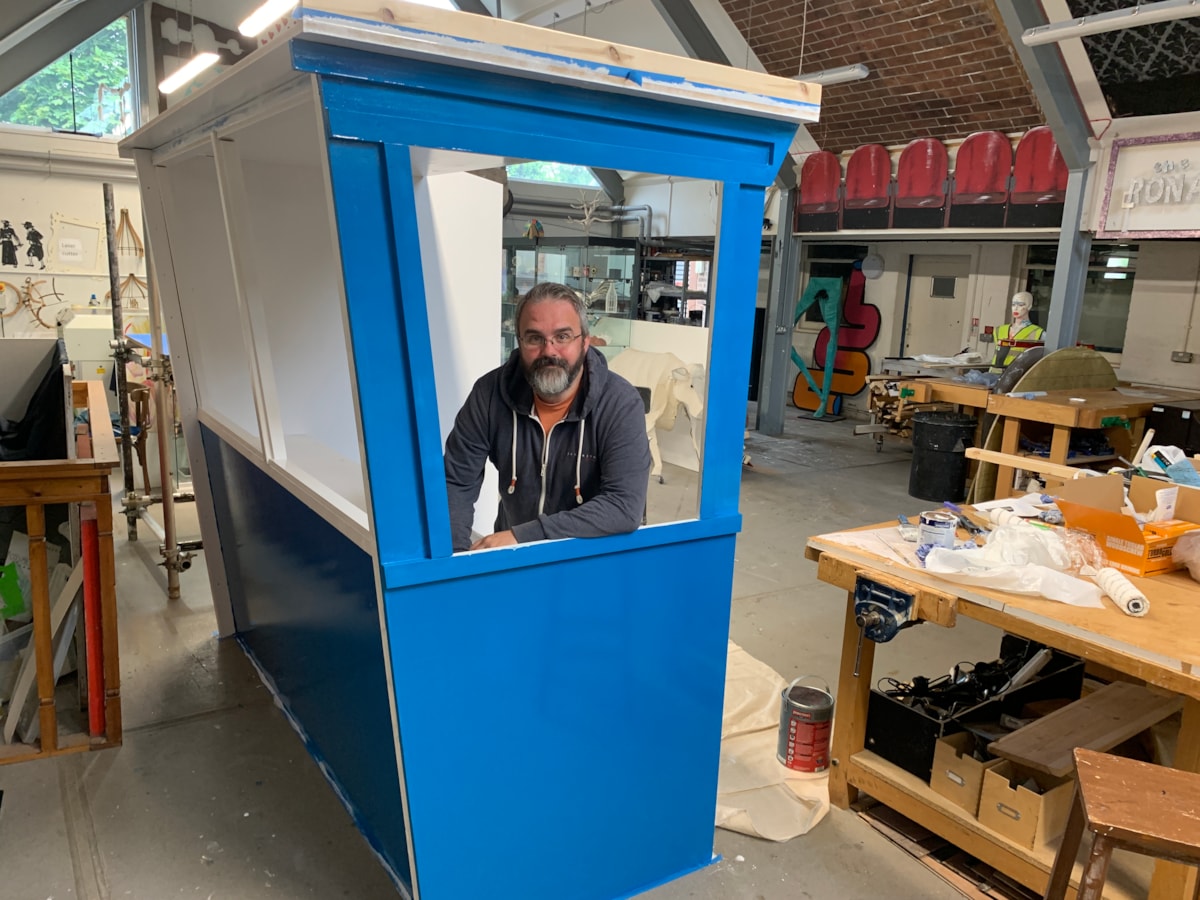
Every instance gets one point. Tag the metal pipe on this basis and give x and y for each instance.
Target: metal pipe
(164, 419)
(159, 533)
(536, 210)
(120, 354)
(525, 203)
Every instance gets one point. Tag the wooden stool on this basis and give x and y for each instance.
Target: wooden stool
(1131, 805)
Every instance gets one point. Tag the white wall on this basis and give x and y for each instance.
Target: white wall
(44, 176)
(1163, 315)
(681, 207)
(463, 264)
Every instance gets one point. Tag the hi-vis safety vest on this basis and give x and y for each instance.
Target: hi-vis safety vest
(1005, 355)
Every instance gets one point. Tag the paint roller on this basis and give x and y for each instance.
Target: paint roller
(1121, 590)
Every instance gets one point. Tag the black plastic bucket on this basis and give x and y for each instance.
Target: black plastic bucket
(939, 464)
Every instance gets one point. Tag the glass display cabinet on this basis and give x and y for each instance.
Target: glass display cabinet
(604, 270)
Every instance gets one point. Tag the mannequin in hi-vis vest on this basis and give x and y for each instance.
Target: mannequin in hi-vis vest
(1020, 329)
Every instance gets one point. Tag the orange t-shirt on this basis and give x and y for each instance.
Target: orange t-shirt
(550, 414)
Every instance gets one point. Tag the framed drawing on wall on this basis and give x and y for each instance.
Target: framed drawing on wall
(75, 245)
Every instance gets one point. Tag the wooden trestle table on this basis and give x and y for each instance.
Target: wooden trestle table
(1161, 649)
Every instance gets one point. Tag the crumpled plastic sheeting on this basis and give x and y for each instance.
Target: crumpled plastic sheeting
(756, 794)
(1187, 551)
(1022, 559)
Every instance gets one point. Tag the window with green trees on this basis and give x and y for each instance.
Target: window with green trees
(553, 173)
(85, 91)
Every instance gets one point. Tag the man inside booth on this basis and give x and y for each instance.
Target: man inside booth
(1019, 329)
(567, 435)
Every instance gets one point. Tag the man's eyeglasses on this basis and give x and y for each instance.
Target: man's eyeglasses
(535, 341)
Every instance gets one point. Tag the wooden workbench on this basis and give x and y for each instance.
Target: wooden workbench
(1066, 411)
(1160, 649)
(946, 390)
(36, 484)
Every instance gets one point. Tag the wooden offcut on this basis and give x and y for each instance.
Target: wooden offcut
(1099, 721)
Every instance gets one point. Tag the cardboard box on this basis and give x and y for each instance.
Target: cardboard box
(1027, 807)
(957, 775)
(907, 736)
(1096, 505)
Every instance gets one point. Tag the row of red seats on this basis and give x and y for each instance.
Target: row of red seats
(991, 186)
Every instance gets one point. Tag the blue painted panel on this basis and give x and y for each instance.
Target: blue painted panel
(408, 102)
(304, 602)
(415, 317)
(561, 726)
(736, 271)
(398, 575)
(385, 376)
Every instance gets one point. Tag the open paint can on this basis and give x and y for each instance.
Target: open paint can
(937, 527)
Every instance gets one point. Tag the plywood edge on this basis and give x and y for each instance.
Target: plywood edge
(542, 52)
(104, 443)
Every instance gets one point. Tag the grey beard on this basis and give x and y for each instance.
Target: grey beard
(550, 377)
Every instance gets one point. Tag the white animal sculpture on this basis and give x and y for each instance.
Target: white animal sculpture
(670, 381)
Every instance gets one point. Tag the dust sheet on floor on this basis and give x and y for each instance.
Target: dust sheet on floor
(756, 794)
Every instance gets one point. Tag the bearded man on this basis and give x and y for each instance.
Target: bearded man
(567, 436)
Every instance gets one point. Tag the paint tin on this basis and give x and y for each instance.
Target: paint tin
(805, 721)
(937, 527)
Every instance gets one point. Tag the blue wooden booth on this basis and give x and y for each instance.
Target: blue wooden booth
(540, 722)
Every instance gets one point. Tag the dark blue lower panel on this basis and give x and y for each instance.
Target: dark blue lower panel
(561, 725)
(304, 603)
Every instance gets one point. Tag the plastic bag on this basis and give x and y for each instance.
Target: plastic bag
(1187, 551)
(1021, 559)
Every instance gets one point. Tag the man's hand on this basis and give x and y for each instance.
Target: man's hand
(499, 539)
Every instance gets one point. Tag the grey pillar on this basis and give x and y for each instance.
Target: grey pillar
(1070, 268)
(777, 338)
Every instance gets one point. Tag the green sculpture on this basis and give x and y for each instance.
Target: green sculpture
(828, 293)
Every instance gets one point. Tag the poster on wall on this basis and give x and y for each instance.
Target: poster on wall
(74, 245)
(1153, 188)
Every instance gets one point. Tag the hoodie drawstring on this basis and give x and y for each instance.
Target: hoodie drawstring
(579, 463)
(512, 485)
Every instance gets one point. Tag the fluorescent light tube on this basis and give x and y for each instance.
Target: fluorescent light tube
(1117, 19)
(839, 75)
(190, 70)
(261, 19)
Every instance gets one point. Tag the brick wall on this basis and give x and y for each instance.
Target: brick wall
(939, 68)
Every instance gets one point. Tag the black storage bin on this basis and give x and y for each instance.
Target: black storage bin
(906, 736)
(939, 463)
(1177, 424)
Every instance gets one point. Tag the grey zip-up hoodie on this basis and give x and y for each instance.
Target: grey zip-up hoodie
(587, 478)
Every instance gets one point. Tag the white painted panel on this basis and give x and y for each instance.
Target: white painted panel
(208, 302)
(297, 284)
(463, 263)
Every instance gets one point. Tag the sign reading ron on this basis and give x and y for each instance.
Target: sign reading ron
(1153, 188)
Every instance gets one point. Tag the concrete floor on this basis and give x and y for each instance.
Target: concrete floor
(212, 795)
